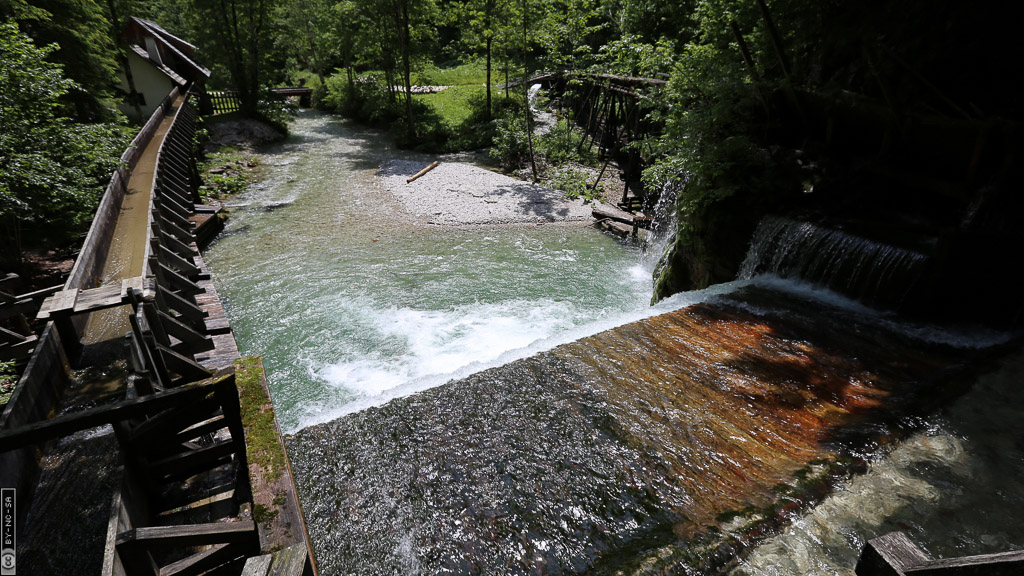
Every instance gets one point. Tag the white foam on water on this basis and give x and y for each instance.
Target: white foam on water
(440, 346)
(443, 342)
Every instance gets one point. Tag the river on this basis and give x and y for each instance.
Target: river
(760, 427)
(352, 302)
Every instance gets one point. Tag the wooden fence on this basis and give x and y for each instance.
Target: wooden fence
(228, 101)
(224, 102)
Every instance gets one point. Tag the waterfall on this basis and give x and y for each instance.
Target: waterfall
(875, 273)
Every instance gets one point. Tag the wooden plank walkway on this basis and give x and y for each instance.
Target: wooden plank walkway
(75, 301)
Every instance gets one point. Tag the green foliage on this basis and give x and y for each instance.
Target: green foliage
(85, 49)
(630, 56)
(470, 73)
(510, 147)
(239, 34)
(574, 183)
(52, 170)
(454, 105)
(562, 144)
(366, 99)
(8, 378)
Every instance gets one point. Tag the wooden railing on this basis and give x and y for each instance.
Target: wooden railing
(224, 102)
(181, 416)
(228, 101)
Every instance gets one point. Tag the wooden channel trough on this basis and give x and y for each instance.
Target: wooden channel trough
(185, 502)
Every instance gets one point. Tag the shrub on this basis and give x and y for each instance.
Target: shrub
(574, 183)
(510, 147)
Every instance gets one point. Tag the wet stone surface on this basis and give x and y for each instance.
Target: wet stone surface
(632, 450)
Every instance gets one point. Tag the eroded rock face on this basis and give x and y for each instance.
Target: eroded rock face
(645, 448)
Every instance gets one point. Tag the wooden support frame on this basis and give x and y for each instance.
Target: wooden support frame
(194, 315)
(58, 426)
(189, 462)
(894, 554)
(175, 419)
(186, 266)
(184, 234)
(169, 214)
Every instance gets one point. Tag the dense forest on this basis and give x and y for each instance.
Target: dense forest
(766, 103)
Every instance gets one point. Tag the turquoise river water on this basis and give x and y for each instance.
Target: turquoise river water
(351, 302)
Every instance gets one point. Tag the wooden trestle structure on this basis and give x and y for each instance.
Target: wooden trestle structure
(185, 502)
(613, 112)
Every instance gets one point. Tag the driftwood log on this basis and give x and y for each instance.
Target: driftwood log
(422, 172)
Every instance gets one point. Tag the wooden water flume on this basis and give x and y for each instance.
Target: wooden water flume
(185, 502)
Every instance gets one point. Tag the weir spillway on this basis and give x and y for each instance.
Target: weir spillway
(662, 446)
(718, 436)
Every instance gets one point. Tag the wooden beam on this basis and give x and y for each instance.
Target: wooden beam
(190, 339)
(204, 561)
(24, 307)
(174, 420)
(175, 281)
(200, 429)
(190, 462)
(59, 426)
(62, 302)
(1001, 564)
(76, 301)
(18, 350)
(188, 310)
(149, 537)
(257, 565)
(894, 554)
(291, 561)
(185, 265)
(181, 365)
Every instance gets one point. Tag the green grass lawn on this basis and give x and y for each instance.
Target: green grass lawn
(471, 73)
(454, 104)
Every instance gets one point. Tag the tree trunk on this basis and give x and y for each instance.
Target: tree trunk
(526, 93)
(488, 77)
(404, 45)
(489, 32)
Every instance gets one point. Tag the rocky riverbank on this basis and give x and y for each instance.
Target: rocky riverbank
(460, 194)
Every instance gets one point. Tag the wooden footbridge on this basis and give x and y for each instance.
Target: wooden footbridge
(191, 497)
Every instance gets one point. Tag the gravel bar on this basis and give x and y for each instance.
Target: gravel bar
(460, 194)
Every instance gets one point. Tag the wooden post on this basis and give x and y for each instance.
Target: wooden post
(227, 395)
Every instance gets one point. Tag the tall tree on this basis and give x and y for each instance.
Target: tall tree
(311, 35)
(81, 33)
(482, 23)
(241, 34)
(52, 170)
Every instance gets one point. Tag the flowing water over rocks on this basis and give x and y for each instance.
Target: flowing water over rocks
(762, 427)
(664, 444)
(353, 301)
